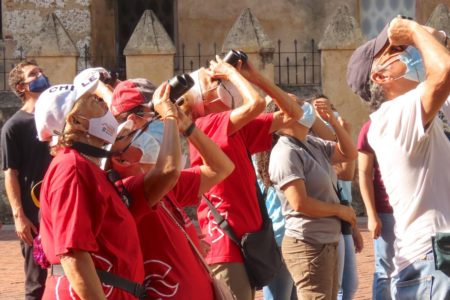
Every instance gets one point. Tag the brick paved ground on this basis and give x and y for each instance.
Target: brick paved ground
(11, 270)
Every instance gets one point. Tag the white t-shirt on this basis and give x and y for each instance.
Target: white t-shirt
(415, 165)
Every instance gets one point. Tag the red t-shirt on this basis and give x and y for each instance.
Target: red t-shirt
(80, 209)
(172, 269)
(381, 198)
(235, 197)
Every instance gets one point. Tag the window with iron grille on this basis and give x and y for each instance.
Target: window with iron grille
(293, 66)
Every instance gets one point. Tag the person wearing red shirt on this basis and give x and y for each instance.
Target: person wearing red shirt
(172, 267)
(229, 112)
(82, 210)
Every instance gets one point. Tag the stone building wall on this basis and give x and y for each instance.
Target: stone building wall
(23, 19)
(209, 21)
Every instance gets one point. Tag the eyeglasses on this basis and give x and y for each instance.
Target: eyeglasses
(137, 133)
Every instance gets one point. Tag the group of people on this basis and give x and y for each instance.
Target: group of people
(103, 208)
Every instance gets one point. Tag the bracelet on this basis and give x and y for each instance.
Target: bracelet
(189, 130)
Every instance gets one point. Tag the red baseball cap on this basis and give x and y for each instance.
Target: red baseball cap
(131, 93)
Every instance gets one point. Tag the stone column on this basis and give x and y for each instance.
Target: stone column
(440, 18)
(248, 35)
(150, 51)
(54, 51)
(342, 36)
(425, 7)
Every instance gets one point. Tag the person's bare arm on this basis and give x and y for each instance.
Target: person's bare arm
(295, 192)
(345, 150)
(24, 227)
(291, 109)
(82, 276)
(253, 104)
(163, 177)
(358, 240)
(436, 60)
(321, 129)
(345, 170)
(365, 170)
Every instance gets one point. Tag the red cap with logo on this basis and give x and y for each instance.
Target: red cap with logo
(131, 93)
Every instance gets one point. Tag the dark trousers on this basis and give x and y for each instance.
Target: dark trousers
(35, 276)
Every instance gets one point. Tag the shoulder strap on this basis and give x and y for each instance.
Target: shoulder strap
(222, 222)
(300, 144)
(114, 178)
(191, 243)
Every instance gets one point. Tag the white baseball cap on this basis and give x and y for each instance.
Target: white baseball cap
(52, 108)
(87, 80)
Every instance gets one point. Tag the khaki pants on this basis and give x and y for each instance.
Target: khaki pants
(313, 268)
(236, 277)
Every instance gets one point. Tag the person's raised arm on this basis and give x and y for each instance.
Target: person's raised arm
(163, 177)
(345, 170)
(321, 129)
(282, 99)
(436, 60)
(345, 150)
(216, 164)
(253, 103)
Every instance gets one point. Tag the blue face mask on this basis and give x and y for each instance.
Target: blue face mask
(309, 115)
(39, 84)
(415, 70)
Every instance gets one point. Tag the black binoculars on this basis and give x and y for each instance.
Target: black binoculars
(234, 56)
(179, 85)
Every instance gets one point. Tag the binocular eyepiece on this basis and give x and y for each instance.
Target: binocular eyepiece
(233, 56)
(179, 85)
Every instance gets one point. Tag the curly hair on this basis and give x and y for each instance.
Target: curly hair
(16, 77)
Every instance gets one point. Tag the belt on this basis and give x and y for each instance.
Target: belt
(134, 288)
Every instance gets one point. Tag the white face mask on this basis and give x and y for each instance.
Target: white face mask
(104, 127)
(229, 94)
(309, 115)
(415, 70)
(148, 146)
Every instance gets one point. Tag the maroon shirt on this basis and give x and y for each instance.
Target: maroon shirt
(381, 198)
